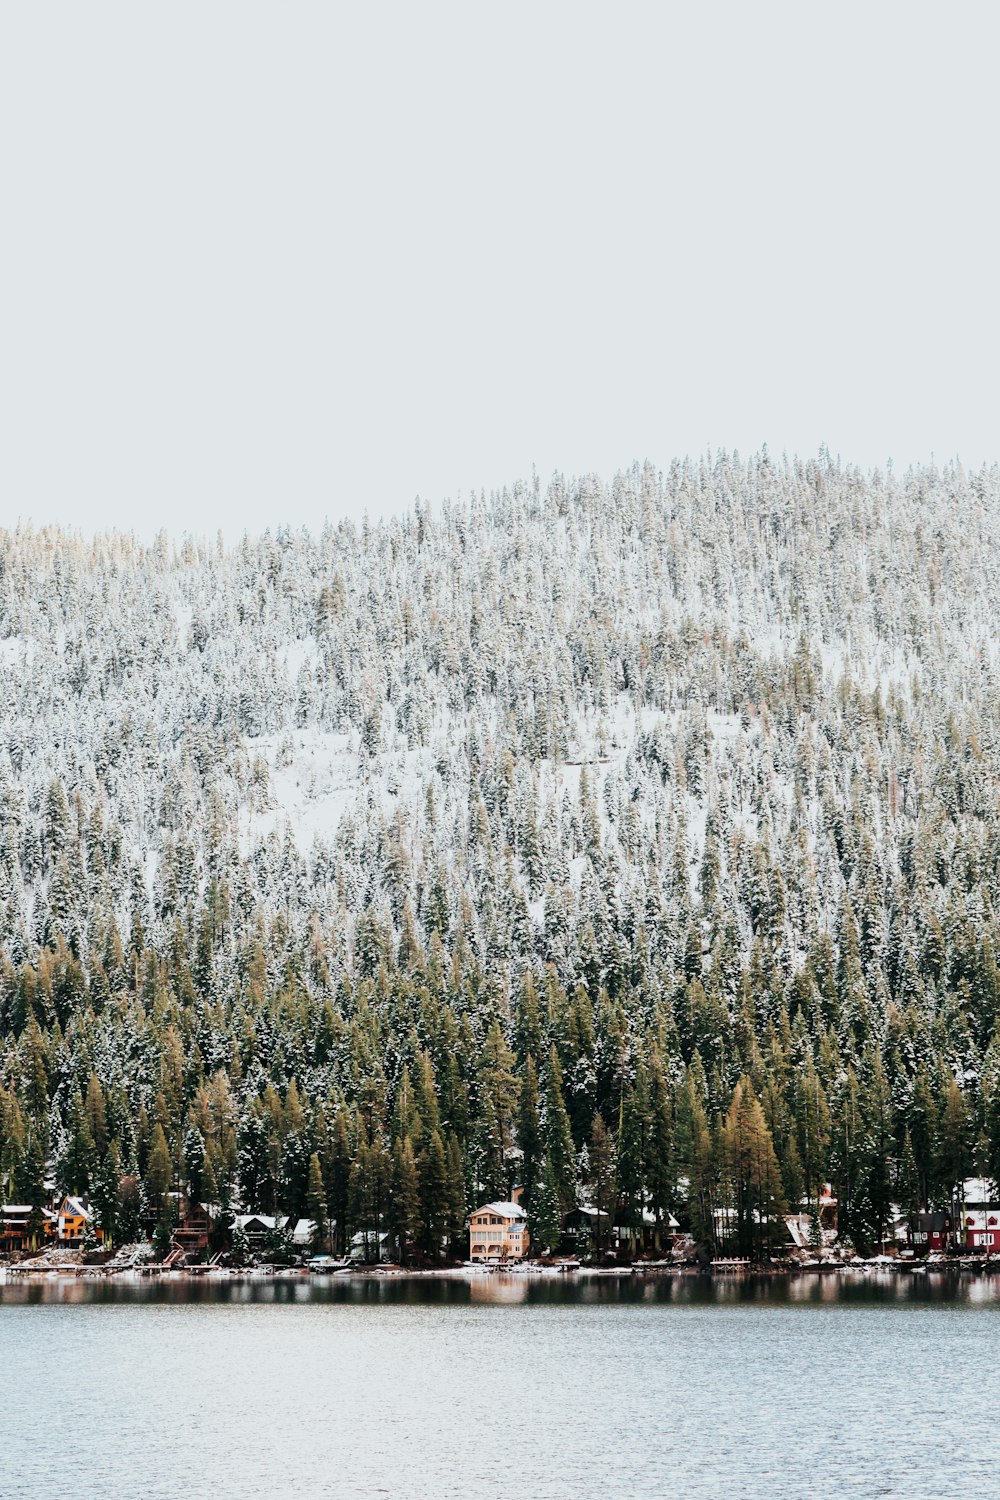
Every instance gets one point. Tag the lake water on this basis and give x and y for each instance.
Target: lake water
(501, 1387)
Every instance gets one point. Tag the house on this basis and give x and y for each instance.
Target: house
(980, 1223)
(72, 1217)
(972, 1222)
(812, 1214)
(499, 1231)
(827, 1206)
(193, 1231)
(260, 1229)
(20, 1232)
(583, 1228)
(370, 1248)
(304, 1233)
(801, 1230)
(652, 1236)
(930, 1231)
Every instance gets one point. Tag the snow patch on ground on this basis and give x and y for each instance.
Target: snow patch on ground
(16, 652)
(298, 655)
(314, 778)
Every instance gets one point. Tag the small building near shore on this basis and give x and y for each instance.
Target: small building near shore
(261, 1230)
(930, 1231)
(23, 1227)
(304, 1233)
(72, 1218)
(971, 1223)
(653, 1235)
(193, 1230)
(981, 1218)
(369, 1248)
(498, 1232)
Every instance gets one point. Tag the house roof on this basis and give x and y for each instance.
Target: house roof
(269, 1221)
(668, 1222)
(17, 1215)
(505, 1210)
(979, 1190)
(800, 1229)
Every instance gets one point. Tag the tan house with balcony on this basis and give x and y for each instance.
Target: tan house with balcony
(498, 1232)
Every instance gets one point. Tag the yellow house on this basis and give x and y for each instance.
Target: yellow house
(499, 1232)
(71, 1218)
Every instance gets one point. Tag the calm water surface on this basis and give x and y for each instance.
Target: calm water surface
(501, 1387)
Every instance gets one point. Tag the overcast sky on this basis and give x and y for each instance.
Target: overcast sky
(260, 264)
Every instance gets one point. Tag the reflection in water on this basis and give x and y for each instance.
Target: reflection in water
(499, 1289)
(849, 1287)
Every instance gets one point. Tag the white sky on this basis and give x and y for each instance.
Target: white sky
(260, 263)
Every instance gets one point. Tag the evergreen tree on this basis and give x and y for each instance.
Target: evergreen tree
(159, 1168)
(559, 1150)
(316, 1202)
(546, 1219)
(529, 1129)
(435, 1196)
(603, 1184)
(497, 1088)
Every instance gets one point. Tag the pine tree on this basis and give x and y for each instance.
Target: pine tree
(435, 1198)
(658, 1167)
(908, 1182)
(529, 1130)
(497, 1089)
(159, 1168)
(456, 1193)
(753, 1173)
(954, 1147)
(559, 1150)
(316, 1202)
(603, 1184)
(696, 1162)
(96, 1114)
(337, 1181)
(546, 1217)
(195, 1164)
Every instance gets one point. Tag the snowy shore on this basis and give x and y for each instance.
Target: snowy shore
(879, 1265)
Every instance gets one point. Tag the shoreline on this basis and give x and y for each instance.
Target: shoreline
(475, 1273)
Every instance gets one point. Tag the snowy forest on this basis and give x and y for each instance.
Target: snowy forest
(633, 842)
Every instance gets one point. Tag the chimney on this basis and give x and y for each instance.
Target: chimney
(515, 1196)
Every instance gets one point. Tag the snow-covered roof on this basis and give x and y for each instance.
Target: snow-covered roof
(269, 1221)
(505, 1210)
(304, 1231)
(979, 1190)
(798, 1227)
(668, 1221)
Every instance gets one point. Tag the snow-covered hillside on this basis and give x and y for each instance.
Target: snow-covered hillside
(522, 704)
(683, 787)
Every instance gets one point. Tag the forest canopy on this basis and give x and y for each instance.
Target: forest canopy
(634, 840)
